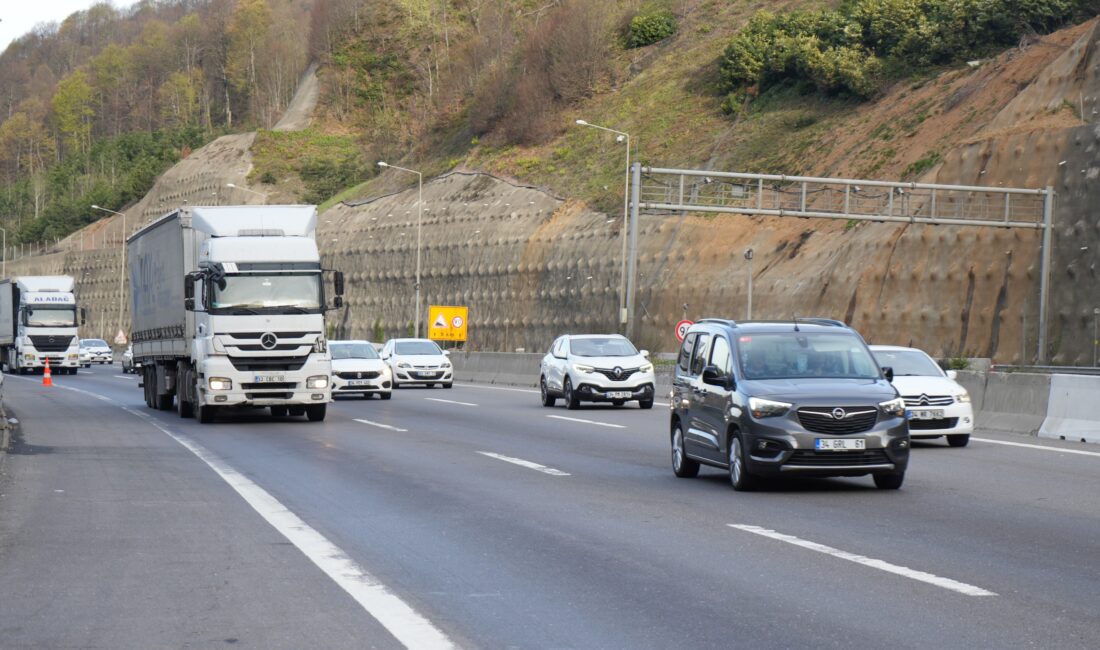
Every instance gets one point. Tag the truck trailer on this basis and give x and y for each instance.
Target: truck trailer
(38, 321)
(228, 306)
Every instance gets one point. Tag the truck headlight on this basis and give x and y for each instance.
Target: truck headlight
(317, 381)
(220, 383)
(73, 356)
(963, 398)
(766, 408)
(28, 357)
(580, 367)
(895, 407)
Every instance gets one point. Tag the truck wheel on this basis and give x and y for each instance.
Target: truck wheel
(184, 403)
(296, 410)
(316, 412)
(164, 402)
(205, 413)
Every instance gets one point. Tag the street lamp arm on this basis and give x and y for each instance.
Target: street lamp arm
(96, 207)
(603, 128)
(389, 166)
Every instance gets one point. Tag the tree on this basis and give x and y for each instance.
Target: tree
(74, 107)
(178, 98)
(247, 32)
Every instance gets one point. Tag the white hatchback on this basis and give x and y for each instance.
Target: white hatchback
(358, 370)
(596, 368)
(937, 404)
(418, 362)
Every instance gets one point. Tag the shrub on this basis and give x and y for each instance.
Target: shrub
(647, 29)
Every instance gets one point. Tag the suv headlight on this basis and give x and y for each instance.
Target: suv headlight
(220, 383)
(766, 408)
(895, 407)
(963, 398)
(317, 381)
(646, 368)
(321, 345)
(580, 367)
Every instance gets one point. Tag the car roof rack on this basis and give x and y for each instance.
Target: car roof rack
(721, 321)
(832, 322)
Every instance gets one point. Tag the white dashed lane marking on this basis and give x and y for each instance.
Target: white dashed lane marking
(525, 463)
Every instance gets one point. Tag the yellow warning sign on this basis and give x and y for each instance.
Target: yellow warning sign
(447, 323)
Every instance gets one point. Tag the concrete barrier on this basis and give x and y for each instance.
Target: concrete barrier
(1071, 409)
(1013, 402)
(505, 368)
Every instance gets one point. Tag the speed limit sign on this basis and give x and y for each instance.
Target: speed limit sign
(682, 329)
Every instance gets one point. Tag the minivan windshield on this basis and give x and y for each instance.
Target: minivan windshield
(51, 317)
(276, 292)
(417, 347)
(796, 355)
(908, 363)
(353, 351)
(609, 346)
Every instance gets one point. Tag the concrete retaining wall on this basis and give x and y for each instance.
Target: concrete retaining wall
(1071, 411)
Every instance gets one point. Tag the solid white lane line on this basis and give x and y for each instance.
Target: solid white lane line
(1041, 447)
(123, 377)
(600, 424)
(449, 401)
(401, 620)
(525, 463)
(946, 583)
(380, 425)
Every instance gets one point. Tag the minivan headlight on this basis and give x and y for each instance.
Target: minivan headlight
(895, 407)
(317, 381)
(766, 408)
(963, 398)
(580, 367)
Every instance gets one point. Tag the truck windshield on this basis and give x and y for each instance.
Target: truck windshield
(51, 317)
(282, 292)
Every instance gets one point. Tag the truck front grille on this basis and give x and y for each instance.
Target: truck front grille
(264, 385)
(268, 364)
(50, 343)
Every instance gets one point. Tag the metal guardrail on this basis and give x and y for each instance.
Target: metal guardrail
(1049, 370)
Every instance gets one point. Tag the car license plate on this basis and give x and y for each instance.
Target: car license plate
(357, 382)
(618, 394)
(269, 379)
(927, 414)
(840, 444)
(426, 375)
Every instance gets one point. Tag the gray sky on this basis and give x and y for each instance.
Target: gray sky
(17, 17)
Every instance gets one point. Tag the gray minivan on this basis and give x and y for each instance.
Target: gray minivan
(799, 397)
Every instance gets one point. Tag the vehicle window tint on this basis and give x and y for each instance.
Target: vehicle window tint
(685, 352)
(720, 356)
(700, 355)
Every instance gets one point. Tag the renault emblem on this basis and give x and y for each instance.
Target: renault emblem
(839, 414)
(268, 341)
(618, 372)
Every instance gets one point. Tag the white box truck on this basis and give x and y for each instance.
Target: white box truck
(38, 321)
(228, 307)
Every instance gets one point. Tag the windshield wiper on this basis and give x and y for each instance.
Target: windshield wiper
(242, 310)
(295, 309)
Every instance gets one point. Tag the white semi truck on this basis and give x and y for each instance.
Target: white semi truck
(38, 321)
(228, 307)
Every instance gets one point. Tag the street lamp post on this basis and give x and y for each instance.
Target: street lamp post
(748, 256)
(419, 220)
(1095, 341)
(122, 268)
(245, 189)
(4, 272)
(622, 137)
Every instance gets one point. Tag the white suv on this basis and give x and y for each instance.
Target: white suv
(596, 368)
(417, 362)
(937, 404)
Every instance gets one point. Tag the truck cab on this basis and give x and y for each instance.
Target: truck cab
(38, 322)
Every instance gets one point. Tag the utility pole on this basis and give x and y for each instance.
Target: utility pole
(748, 256)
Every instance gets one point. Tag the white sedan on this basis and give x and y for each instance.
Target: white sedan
(938, 405)
(358, 370)
(596, 368)
(418, 362)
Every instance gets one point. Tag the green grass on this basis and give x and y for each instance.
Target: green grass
(311, 165)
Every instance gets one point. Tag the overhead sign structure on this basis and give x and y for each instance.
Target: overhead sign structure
(682, 328)
(447, 323)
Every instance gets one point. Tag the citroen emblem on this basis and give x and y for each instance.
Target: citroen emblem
(924, 400)
(268, 341)
(839, 414)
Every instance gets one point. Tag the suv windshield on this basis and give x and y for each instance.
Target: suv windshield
(353, 351)
(301, 291)
(794, 355)
(51, 317)
(611, 346)
(908, 363)
(417, 347)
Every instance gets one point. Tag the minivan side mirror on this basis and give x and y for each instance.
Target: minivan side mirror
(952, 374)
(889, 373)
(712, 377)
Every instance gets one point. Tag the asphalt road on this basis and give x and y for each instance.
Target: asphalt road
(476, 517)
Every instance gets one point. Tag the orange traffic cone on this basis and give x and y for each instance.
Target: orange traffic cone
(47, 380)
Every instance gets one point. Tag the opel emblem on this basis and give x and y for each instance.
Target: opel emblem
(618, 371)
(268, 341)
(839, 414)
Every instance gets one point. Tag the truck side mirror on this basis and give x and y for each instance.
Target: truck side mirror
(189, 292)
(83, 315)
(338, 283)
(337, 302)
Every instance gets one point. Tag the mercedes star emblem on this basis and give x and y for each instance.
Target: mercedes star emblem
(839, 414)
(268, 341)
